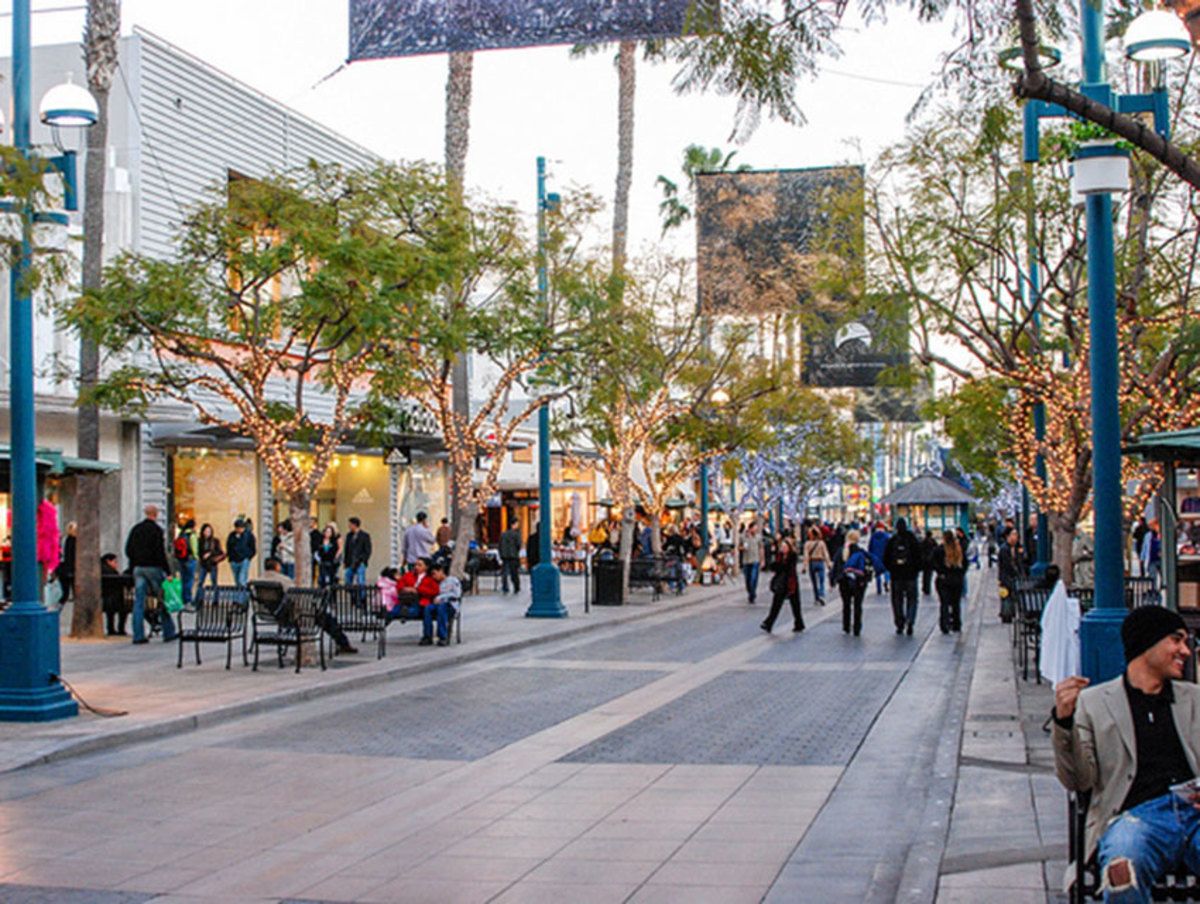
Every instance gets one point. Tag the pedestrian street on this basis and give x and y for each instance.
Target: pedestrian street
(684, 757)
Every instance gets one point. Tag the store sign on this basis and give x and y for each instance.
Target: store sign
(394, 28)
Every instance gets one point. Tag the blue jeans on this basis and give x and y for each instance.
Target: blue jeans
(356, 575)
(289, 568)
(207, 572)
(187, 577)
(750, 573)
(1155, 836)
(441, 612)
(816, 573)
(510, 570)
(149, 579)
(883, 581)
(241, 572)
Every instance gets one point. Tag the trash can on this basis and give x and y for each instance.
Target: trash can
(606, 582)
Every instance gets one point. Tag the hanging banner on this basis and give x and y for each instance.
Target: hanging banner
(772, 241)
(394, 28)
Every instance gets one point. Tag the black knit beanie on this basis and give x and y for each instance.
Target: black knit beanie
(1147, 625)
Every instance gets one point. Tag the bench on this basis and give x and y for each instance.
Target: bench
(1027, 624)
(406, 611)
(359, 610)
(1085, 884)
(652, 572)
(478, 565)
(217, 615)
(288, 618)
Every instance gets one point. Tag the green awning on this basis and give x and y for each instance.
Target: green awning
(1176, 445)
(55, 462)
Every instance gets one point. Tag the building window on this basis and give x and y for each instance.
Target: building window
(214, 487)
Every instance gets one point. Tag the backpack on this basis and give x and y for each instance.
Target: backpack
(902, 551)
(183, 551)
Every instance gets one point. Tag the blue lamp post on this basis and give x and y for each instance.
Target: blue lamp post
(544, 582)
(1100, 632)
(29, 651)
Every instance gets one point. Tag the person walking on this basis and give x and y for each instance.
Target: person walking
(329, 555)
(185, 549)
(852, 578)
(950, 563)
(876, 546)
(146, 550)
(929, 546)
(785, 584)
(510, 557)
(356, 553)
(817, 562)
(753, 558)
(210, 555)
(902, 559)
(66, 565)
(240, 548)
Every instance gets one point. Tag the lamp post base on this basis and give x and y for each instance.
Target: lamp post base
(547, 593)
(28, 657)
(1102, 653)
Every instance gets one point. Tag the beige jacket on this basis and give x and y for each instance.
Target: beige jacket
(1099, 754)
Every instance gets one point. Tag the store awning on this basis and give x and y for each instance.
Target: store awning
(1176, 445)
(53, 461)
(195, 434)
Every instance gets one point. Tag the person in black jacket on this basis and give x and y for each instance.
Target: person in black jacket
(356, 553)
(1012, 568)
(950, 562)
(240, 548)
(929, 547)
(902, 559)
(146, 550)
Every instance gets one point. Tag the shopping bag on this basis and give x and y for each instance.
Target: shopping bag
(172, 594)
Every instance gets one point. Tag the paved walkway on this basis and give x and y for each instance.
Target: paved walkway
(661, 752)
(159, 699)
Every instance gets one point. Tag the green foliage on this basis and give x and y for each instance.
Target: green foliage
(974, 419)
(696, 159)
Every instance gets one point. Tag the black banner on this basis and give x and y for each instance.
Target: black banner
(393, 28)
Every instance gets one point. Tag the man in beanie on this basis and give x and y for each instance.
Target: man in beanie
(1127, 741)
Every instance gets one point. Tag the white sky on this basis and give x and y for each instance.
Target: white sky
(531, 101)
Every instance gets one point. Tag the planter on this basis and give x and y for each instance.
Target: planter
(1100, 167)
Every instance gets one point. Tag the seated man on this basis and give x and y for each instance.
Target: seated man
(327, 622)
(415, 592)
(1127, 741)
(445, 604)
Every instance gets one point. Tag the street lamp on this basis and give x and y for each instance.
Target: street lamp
(719, 397)
(544, 581)
(29, 651)
(1100, 631)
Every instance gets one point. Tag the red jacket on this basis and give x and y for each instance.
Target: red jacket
(427, 588)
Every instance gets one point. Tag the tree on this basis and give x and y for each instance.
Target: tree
(283, 288)
(956, 250)
(675, 207)
(101, 33)
(485, 306)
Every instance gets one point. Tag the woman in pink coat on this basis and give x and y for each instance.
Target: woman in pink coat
(47, 536)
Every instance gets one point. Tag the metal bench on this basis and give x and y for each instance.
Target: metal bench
(218, 615)
(652, 572)
(285, 619)
(1085, 885)
(1028, 625)
(359, 610)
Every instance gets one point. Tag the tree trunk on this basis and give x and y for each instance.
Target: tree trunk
(626, 77)
(1063, 533)
(656, 533)
(100, 54)
(298, 505)
(464, 514)
(457, 141)
(627, 522)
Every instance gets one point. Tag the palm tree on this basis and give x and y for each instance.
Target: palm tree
(101, 33)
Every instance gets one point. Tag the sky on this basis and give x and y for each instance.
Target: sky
(530, 102)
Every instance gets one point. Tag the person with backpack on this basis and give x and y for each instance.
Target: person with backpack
(186, 551)
(876, 546)
(855, 571)
(902, 559)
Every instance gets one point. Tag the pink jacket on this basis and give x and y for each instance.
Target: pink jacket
(47, 535)
(387, 592)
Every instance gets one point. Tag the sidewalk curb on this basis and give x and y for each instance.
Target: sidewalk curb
(922, 866)
(221, 714)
